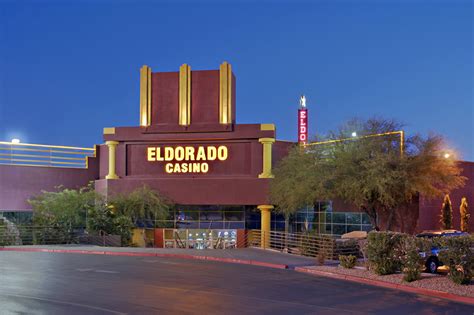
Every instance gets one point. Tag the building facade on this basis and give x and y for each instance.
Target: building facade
(189, 147)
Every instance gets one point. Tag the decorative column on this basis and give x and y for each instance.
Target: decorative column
(265, 215)
(112, 148)
(267, 157)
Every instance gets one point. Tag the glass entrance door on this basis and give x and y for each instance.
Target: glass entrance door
(200, 238)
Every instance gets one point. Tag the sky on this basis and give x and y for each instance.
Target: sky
(70, 68)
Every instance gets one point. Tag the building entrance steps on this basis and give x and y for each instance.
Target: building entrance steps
(249, 256)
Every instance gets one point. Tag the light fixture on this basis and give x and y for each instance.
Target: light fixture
(354, 134)
(447, 155)
(15, 141)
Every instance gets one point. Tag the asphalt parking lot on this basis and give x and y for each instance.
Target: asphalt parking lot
(56, 283)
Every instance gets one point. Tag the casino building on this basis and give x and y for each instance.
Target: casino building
(189, 147)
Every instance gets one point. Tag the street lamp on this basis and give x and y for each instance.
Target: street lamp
(447, 155)
(15, 141)
(354, 134)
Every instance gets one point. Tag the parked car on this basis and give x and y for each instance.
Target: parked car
(432, 261)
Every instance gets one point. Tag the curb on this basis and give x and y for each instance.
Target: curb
(389, 285)
(143, 254)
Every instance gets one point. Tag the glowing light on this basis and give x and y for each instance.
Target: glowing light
(15, 141)
(447, 155)
(303, 101)
(354, 134)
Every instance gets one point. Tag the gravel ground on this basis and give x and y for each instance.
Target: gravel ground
(427, 281)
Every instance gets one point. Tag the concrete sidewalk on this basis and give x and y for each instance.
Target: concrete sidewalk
(252, 256)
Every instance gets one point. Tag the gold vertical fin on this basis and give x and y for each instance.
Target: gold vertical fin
(188, 93)
(225, 93)
(185, 95)
(229, 93)
(145, 96)
(149, 97)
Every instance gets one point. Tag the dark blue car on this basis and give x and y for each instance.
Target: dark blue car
(432, 261)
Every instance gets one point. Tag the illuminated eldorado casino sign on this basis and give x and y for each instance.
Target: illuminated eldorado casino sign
(187, 159)
(302, 122)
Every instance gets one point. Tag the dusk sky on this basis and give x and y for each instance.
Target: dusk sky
(70, 68)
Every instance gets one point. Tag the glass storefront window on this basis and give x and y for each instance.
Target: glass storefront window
(327, 216)
(186, 215)
(187, 224)
(18, 217)
(365, 218)
(353, 218)
(210, 216)
(211, 225)
(328, 222)
(339, 217)
(234, 215)
(325, 206)
(236, 225)
(338, 229)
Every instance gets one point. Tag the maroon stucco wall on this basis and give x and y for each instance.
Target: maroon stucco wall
(18, 183)
(280, 149)
(165, 93)
(196, 191)
(430, 210)
(204, 102)
(233, 181)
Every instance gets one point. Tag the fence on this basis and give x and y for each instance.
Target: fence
(48, 235)
(26, 154)
(38, 235)
(293, 243)
(302, 244)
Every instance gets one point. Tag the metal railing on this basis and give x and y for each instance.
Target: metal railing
(27, 154)
(38, 235)
(12, 234)
(100, 239)
(302, 244)
(400, 133)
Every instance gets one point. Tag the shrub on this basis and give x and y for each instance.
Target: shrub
(123, 227)
(324, 248)
(457, 254)
(410, 258)
(321, 256)
(382, 252)
(464, 211)
(362, 244)
(348, 261)
(446, 219)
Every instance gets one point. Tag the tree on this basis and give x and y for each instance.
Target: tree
(292, 188)
(373, 171)
(464, 211)
(446, 214)
(141, 205)
(64, 207)
(60, 212)
(102, 219)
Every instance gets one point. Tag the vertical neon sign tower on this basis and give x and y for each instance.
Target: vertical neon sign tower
(302, 122)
